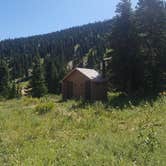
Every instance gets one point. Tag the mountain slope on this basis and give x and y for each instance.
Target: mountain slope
(60, 45)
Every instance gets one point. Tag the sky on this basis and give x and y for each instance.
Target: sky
(21, 18)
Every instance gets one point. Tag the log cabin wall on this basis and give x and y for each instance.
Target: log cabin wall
(78, 81)
(99, 91)
(78, 85)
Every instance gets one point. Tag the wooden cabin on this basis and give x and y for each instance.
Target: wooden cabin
(84, 83)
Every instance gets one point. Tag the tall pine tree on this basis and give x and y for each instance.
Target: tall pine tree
(151, 28)
(37, 82)
(124, 72)
(4, 79)
(51, 74)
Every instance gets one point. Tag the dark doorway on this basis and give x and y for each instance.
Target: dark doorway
(88, 90)
(69, 89)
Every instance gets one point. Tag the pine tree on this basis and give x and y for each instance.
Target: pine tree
(77, 62)
(91, 58)
(124, 72)
(14, 90)
(4, 79)
(52, 78)
(37, 82)
(151, 26)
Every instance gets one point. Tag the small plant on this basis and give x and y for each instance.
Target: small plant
(43, 108)
(147, 143)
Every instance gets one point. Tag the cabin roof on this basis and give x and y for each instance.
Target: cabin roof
(89, 73)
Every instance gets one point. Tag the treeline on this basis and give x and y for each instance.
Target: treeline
(134, 39)
(63, 46)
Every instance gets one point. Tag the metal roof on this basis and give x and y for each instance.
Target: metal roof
(89, 73)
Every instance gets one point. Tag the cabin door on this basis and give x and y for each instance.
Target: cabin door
(88, 90)
(69, 89)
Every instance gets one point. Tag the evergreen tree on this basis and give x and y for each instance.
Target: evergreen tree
(14, 91)
(91, 58)
(4, 79)
(77, 62)
(124, 72)
(37, 82)
(52, 79)
(151, 27)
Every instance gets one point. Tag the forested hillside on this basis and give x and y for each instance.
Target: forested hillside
(62, 46)
(134, 40)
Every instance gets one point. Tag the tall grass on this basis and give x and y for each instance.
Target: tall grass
(123, 132)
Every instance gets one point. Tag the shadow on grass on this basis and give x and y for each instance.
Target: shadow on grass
(79, 105)
(60, 101)
(115, 100)
(122, 101)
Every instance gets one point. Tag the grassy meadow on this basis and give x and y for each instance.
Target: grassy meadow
(48, 131)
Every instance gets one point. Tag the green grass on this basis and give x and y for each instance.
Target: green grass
(123, 132)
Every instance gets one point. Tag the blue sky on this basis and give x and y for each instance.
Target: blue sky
(21, 18)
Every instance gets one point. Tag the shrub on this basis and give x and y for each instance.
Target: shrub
(43, 108)
(146, 145)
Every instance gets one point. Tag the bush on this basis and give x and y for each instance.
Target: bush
(44, 108)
